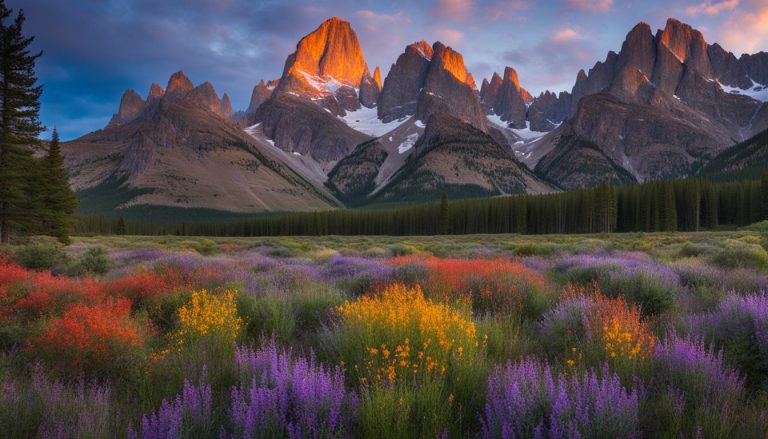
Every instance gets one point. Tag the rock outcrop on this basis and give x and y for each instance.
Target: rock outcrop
(326, 65)
(403, 84)
(450, 89)
(131, 105)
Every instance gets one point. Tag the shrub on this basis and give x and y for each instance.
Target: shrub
(594, 329)
(102, 340)
(402, 413)
(491, 285)
(95, 260)
(708, 392)
(399, 336)
(266, 316)
(141, 284)
(737, 254)
(527, 400)
(40, 255)
(638, 279)
(739, 326)
(283, 396)
(208, 317)
(189, 414)
(39, 406)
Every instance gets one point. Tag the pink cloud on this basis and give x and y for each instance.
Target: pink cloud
(454, 10)
(507, 10)
(564, 35)
(746, 31)
(451, 37)
(712, 8)
(373, 22)
(592, 5)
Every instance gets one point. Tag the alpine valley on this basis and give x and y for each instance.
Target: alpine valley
(331, 132)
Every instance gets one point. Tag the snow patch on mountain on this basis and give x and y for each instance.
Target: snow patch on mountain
(366, 120)
(758, 92)
(408, 143)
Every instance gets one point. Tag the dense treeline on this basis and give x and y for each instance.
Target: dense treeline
(685, 205)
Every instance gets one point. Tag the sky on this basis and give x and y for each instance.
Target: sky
(93, 50)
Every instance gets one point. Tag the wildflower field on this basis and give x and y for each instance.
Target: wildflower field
(488, 336)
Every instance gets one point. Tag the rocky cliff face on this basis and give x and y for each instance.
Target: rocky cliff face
(131, 105)
(450, 89)
(296, 125)
(180, 88)
(328, 66)
(179, 152)
(403, 84)
(457, 158)
(661, 107)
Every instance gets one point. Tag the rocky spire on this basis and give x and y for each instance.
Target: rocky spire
(377, 77)
(131, 105)
(403, 83)
(226, 106)
(261, 92)
(205, 95)
(511, 100)
(155, 92)
(449, 88)
(178, 85)
(328, 64)
(369, 91)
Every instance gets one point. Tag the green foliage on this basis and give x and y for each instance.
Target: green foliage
(402, 412)
(738, 254)
(40, 255)
(94, 260)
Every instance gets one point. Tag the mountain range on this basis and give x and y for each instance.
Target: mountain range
(329, 133)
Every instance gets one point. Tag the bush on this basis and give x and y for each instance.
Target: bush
(208, 318)
(403, 413)
(739, 326)
(95, 260)
(282, 396)
(398, 336)
(40, 255)
(101, 340)
(737, 254)
(708, 391)
(527, 400)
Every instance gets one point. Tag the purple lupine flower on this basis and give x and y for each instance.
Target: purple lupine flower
(280, 395)
(738, 323)
(699, 373)
(526, 400)
(190, 411)
(72, 410)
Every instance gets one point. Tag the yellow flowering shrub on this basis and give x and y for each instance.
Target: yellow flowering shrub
(625, 339)
(208, 315)
(398, 336)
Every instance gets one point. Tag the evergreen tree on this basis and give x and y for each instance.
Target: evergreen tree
(19, 126)
(58, 200)
(444, 215)
(122, 229)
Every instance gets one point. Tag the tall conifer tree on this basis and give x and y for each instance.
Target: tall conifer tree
(19, 126)
(58, 200)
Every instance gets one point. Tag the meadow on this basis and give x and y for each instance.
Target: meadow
(490, 336)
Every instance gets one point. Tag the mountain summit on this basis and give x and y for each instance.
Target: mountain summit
(328, 64)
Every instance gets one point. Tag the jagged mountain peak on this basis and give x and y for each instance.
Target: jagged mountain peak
(377, 77)
(453, 62)
(423, 48)
(178, 84)
(131, 105)
(155, 92)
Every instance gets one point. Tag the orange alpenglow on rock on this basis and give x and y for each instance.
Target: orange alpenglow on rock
(332, 50)
(178, 85)
(377, 77)
(453, 63)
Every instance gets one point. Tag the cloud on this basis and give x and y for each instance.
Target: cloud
(712, 8)
(507, 10)
(454, 10)
(564, 35)
(374, 22)
(448, 36)
(592, 5)
(746, 31)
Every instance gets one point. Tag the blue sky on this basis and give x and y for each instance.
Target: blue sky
(95, 49)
